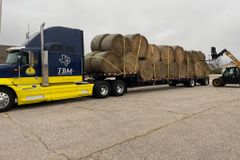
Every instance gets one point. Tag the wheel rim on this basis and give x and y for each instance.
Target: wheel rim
(216, 82)
(104, 90)
(120, 89)
(4, 100)
(192, 82)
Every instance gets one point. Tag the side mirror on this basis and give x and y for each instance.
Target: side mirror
(31, 59)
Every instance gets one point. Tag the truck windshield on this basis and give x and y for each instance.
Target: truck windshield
(12, 57)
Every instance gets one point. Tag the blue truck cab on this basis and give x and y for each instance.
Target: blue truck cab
(37, 71)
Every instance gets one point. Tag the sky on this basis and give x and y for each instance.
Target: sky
(193, 24)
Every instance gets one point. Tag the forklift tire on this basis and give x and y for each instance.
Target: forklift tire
(217, 82)
(101, 89)
(118, 88)
(7, 99)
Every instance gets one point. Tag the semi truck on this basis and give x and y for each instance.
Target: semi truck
(49, 66)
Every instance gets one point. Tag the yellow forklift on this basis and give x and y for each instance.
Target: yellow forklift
(231, 75)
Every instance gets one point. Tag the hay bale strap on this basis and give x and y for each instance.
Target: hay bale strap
(168, 64)
(114, 66)
(138, 52)
(154, 72)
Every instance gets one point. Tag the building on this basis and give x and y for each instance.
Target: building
(3, 53)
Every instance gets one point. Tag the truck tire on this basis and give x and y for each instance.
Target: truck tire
(205, 82)
(101, 89)
(7, 99)
(118, 88)
(190, 83)
(217, 82)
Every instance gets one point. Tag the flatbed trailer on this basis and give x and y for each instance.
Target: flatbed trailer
(132, 80)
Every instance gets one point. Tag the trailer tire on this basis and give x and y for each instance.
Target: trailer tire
(118, 88)
(190, 83)
(217, 82)
(101, 89)
(7, 99)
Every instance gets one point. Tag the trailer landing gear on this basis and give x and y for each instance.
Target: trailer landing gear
(205, 82)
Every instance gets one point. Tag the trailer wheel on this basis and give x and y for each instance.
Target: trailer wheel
(118, 88)
(190, 83)
(101, 89)
(205, 82)
(217, 82)
(7, 99)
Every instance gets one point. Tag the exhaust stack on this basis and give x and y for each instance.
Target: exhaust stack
(44, 57)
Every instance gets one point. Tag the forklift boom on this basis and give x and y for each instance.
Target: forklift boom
(215, 55)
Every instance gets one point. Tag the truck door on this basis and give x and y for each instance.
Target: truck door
(238, 75)
(231, 76)
(28, 70)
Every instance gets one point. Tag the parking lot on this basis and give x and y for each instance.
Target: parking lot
(200, 123)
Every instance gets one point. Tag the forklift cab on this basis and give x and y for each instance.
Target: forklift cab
(231, 75)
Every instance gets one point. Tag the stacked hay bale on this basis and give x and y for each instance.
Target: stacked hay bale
(115, 53)
(165, 67)
(197, 65)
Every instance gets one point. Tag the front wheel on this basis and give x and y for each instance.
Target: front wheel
(101, 89)
(7, 99)
(217, 82)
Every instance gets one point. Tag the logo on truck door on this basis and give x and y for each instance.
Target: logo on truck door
(65, 70)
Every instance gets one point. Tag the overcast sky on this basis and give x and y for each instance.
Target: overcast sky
(193, 24)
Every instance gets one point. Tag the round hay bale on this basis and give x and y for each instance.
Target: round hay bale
(201, 56)
(153, 53)
(206, 69)
(199, 69)
(190, 57)
(182, 70)
(130, 62)
(116, 43)
(166, 54)
(139, 45)
(198, 56)
(106, 62)
(194, 56)
(88, 61)
(180, 54)
(145, 69)
(160, 70)
(190, 70)
(96, 42)
(173, 70)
